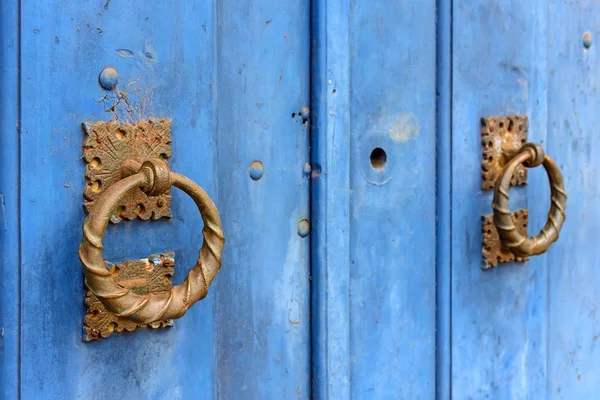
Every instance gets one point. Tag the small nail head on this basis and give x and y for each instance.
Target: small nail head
(109, 78)
(256, 170)
(587, 40)
(303, 228)
(307, 169)
(304, 113)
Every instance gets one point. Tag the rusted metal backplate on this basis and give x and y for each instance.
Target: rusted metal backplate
(493, 252)
(500, 138)
(107, 146)
(148, 275)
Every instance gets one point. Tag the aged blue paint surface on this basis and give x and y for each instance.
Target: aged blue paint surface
(330, 208)
(230, 75)
(398, 305)
(9, 200)
(526, 331)
(498, 317)
(443, 201)
(373, 263)
(262, 301)
(573, 322)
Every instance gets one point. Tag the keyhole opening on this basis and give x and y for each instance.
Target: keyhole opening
(378, 158)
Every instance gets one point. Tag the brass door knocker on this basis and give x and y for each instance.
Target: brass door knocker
(506, 157)
(530, 155)
(154, 178)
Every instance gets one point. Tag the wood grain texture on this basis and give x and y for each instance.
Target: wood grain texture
(392, 210)
(573, 282)
(262, 300)
(530, 331)
(374, 259)
(230, 83)
(10, 238)
(498, 319)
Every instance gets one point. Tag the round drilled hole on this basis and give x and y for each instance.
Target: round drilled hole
(95, 186)
(140, 209)
(111, 327)
(120, 211)
(95, 163)
(378, 158)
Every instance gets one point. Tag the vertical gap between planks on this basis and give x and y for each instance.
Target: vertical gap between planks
(19, 218)
(443, 201)
(215, 116)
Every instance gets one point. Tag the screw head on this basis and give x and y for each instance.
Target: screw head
(256, 170)
(307, 169)
(587, 40)
(303, 228)
(304, 113)
(109, 78)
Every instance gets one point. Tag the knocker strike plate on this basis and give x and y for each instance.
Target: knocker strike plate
(107, 146)
(500, 138)
(148, 275)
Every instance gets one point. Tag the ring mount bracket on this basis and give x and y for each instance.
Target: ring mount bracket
(148, 275)
(506, 157)
(501, 138)
(493, 251)
(112, 150)
(126, 166)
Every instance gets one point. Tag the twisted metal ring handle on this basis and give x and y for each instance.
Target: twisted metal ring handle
(154, 177)
(531, 155)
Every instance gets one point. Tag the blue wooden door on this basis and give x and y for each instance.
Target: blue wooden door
(233, 76)
(340, 141)
(524, 331)
(401, 305)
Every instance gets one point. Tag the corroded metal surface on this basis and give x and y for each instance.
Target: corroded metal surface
(531, 155)
(494, 252)
(148, 275)
(501, 138)
(108, 146)
(152, 177)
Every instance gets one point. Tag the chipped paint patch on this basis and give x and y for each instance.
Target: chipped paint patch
(125, 53)
(3, 212)
(405, 127)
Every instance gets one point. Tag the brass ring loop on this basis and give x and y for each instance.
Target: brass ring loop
(144, 309)
(529, 155)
